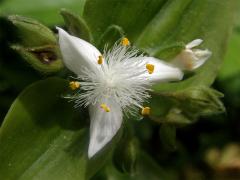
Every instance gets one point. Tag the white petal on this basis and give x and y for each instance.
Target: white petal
(194, 43)
(77, 53)
(104, 125)
(162, 71)
(191, 59)
(201, 57)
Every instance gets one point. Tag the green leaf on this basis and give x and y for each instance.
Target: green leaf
(125, 157)
(110, 36)
(44, 137)
(76, 25)
(45, 11)
(168, 137)
(131, 16)
(231, 63)
(170, 51)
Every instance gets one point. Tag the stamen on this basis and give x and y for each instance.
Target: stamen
(187, 59)
(125, 41)
(74, 85)
(145, 111)
(105, 107)
(150, 68)
(100, 59)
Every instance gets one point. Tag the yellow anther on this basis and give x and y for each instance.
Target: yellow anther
(105, 107)
(150, 68)
(125, 41)
(74, 85)
(145, 111)
(100, 59)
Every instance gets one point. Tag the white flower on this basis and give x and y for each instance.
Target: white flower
(111, 83)
(190, 58)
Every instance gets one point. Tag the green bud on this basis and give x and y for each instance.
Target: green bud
(125, 157)
(44, 59)
(198, 101)
(176, 117)
(76, 25)
(183, 107)
(36, 44)
(31, 33)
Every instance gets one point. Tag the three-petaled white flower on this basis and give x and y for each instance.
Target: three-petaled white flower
(112, 83)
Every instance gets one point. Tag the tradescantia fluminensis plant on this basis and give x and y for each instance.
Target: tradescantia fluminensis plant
(46, 136)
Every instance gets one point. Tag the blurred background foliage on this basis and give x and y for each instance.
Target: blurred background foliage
(207, 149)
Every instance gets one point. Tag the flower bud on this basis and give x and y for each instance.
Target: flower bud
(198, 101)
(191, 58)
(36, 44)
(31, 33)
(44, 59)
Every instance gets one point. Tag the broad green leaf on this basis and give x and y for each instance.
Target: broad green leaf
(44, 137)
(231, 63)
(131, 15)
(45, 11)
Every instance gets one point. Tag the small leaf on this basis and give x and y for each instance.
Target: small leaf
(168, 137)
(76, 25)
(112, 34)
(125, 157)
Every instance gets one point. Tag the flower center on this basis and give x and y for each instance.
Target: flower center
(120, 77)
